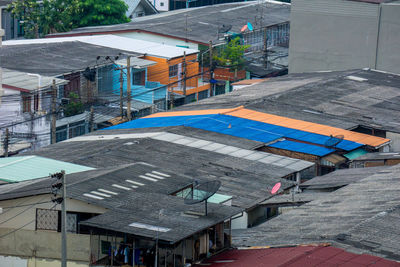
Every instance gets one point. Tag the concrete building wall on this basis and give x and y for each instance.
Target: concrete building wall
(332, 35)
(43, 244)
(388, 58)
(395, 138)
(28, 213)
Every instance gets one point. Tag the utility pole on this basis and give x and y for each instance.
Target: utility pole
(6, 141)
(55, 187)
(53, 112)
(211, 67)
(265, 48)
(91, 119)
(128, 90)
(121, 93)
(184, 73)
(63, 222)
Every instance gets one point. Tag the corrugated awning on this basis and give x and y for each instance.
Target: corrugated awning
(137, 63)
(335, 159)
(355, 154)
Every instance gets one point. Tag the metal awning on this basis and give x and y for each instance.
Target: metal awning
(136, 63)
(355, 154)
(333, 159)
(28, 82)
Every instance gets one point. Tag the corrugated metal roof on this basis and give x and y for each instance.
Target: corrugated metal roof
(115, 42)
(27, 81)
(17, 169)
(305, 255)
(190, 112)
(355, 154)
(369, 140)
(246, 128)
(302, 147)
(373, 141)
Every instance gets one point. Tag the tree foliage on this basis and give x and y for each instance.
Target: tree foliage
(232, 55)
(41, 17)
(74, 106)
(102, 12)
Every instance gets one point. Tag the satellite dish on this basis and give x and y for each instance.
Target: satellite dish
(225, 28)
(275, 188)
(334, 140)
(202, 192)
(243, 28)
(250, 26)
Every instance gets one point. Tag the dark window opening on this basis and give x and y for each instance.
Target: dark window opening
(173, 71)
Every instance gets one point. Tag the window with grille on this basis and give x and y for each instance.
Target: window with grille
(46, 219)
(26, 103)
(173, 71)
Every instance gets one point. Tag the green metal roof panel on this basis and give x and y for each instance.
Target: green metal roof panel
(355, 154)
(18, 169)
(219, 198)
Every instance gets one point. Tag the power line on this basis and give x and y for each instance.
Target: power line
(29, 207)
(13, 231)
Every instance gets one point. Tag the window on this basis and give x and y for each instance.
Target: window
(161, 3)
(46, 219)
(173, 71)
(138, 78)
(26, 103)
(36, 102)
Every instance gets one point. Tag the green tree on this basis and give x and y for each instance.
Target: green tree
(232, 55)
(102, 12)
(41, 17)
(74, 106)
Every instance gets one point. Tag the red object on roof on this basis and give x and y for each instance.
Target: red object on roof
(300, 256)
(243, 28)
(275, 188)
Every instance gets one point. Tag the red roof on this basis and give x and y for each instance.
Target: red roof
(322, 256)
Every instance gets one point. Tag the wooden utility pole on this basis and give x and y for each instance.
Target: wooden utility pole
(53, 112)
(211, 67)
(121, 93)
(265, 48)
(91, 120)
(184, 73)
(128, 90)
(6, 142)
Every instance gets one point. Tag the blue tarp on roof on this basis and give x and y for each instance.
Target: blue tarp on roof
(244, 128)
(303, 148)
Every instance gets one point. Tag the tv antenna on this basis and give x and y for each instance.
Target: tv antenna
(200, 192)
(333, 141)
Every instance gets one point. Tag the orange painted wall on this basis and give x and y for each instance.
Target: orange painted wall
(160, 71)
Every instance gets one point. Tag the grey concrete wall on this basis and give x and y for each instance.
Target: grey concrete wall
(332, 35)
(44, 244)
(389, 38)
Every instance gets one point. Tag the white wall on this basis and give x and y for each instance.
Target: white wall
(11, 113)
(240, 222)
(395, 137)
(159, 7)
(158, 39)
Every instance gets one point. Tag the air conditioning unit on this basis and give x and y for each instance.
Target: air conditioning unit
(65, 101)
